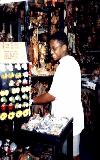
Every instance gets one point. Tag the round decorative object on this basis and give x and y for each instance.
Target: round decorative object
(19, 114)
(26, 112)
(3, 116)
(4, 99)
(10, 107)
(3, 107)
(11, 115)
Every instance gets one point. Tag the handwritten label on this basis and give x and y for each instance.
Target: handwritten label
(13, 52)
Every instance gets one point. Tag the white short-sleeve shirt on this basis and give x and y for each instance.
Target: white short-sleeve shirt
(66, 87)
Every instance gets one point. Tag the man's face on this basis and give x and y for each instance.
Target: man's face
(56, 49)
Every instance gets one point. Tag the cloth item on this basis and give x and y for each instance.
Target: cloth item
(76, 146)
(66, 87)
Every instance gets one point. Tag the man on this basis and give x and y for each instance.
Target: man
(65, 90)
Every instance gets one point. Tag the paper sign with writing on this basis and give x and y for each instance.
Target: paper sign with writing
(13, 52)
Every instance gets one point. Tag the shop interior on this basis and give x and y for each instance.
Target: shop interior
(31, 22)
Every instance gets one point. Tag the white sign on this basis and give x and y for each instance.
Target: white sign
(10, 1)
(13, 52)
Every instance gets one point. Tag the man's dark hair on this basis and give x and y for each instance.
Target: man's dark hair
(60, 36)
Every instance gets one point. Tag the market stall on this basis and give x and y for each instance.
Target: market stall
(17, 120)
(29, 130)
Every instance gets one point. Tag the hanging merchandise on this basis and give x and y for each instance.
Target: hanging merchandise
(14, 91)
(14, 80)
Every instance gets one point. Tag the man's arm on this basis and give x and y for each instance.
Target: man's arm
(43, 98)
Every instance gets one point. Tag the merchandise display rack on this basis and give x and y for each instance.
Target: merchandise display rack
(14, 91)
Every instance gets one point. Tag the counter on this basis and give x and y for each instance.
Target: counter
(55, 142)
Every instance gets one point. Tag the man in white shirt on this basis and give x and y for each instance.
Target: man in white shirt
(65, 90)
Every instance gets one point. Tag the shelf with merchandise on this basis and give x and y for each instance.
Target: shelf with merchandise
(44, 21)
(9, 22)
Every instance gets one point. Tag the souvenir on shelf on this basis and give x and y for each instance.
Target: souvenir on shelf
(8, 25)
(87, 39)
(47, 124)
(12, 21)
(43, 21)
